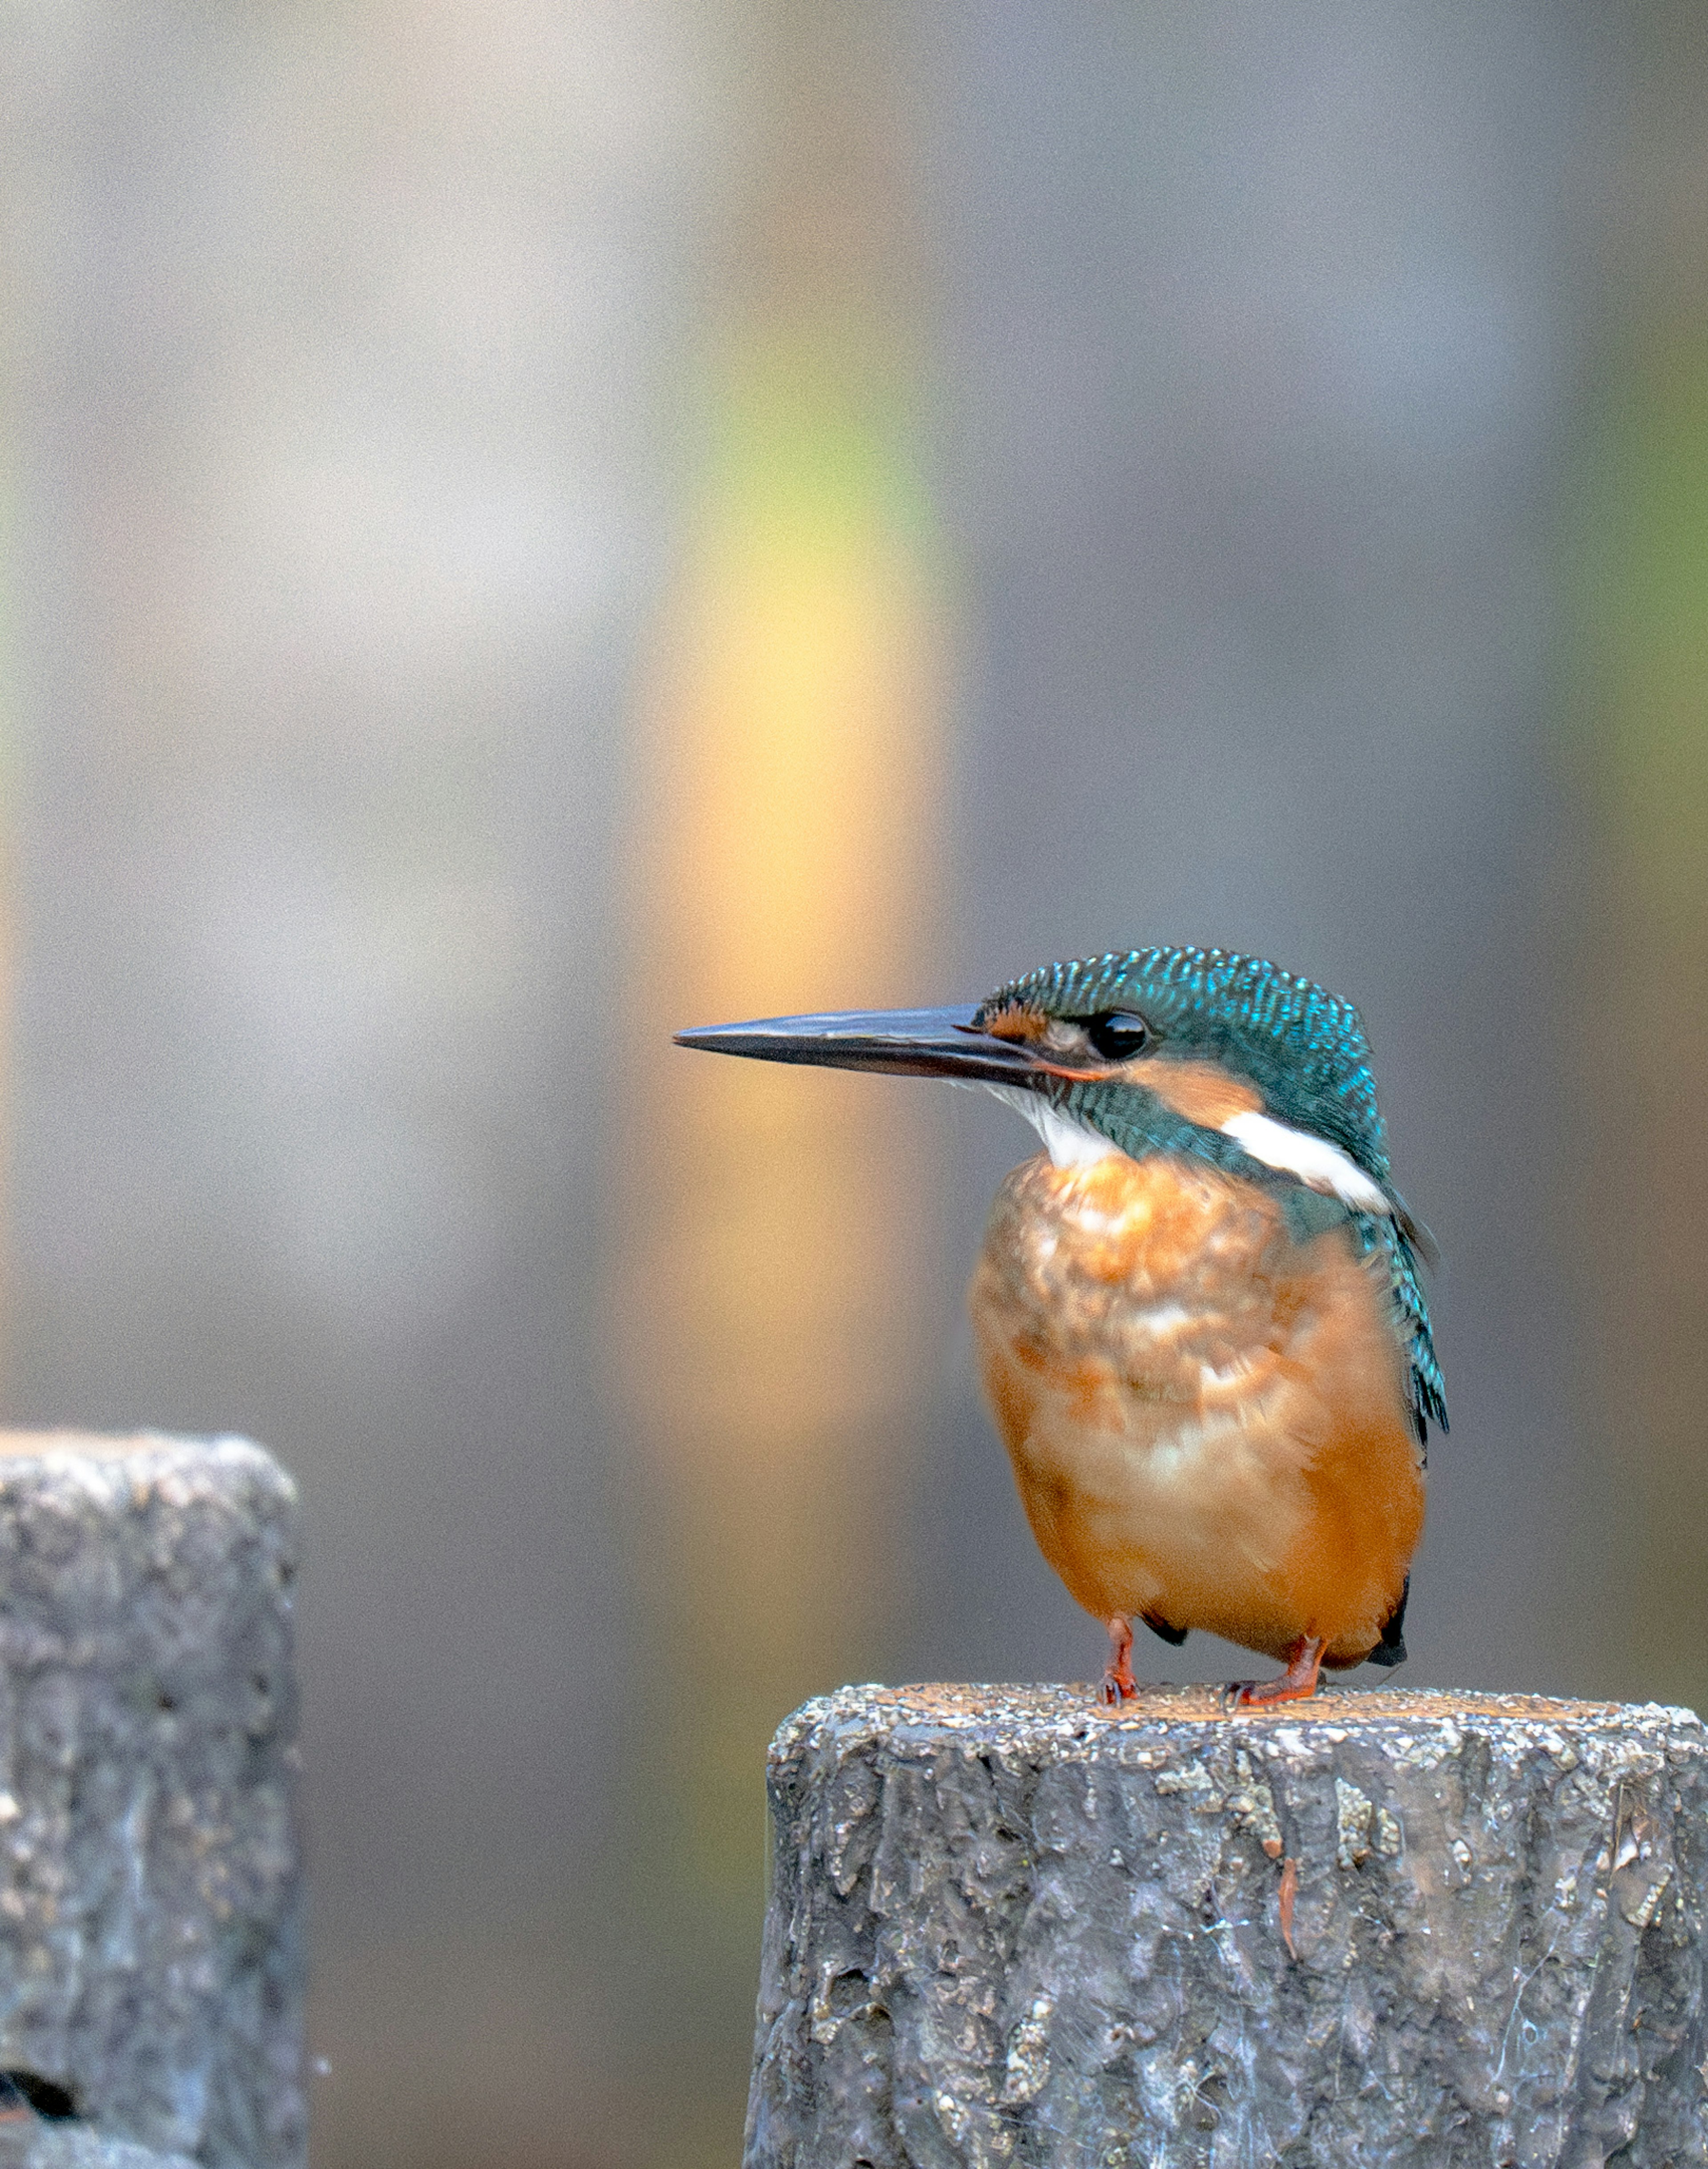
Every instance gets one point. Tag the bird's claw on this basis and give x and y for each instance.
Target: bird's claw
(1118, 1685)
(1298, 1683)
(1263, 1694)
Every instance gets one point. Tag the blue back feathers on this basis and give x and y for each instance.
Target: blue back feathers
(1305, 1050)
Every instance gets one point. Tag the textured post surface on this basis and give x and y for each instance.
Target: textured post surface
(150, 1893)
(1380, 1927)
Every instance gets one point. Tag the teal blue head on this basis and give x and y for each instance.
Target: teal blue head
(1200, 1051)
(1150, 1039)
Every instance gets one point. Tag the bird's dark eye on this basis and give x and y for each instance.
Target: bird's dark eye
(1118, 1035)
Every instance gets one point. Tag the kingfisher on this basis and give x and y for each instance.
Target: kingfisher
(1198, 1315)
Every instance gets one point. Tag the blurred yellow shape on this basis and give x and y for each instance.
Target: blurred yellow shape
(774, 1224)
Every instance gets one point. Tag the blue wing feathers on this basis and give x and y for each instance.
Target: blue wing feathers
(1426, 1390)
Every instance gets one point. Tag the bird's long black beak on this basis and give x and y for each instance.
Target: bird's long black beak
(904, 1042)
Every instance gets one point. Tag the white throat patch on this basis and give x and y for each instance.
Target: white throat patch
(1070, 1143)
(1314, 1161)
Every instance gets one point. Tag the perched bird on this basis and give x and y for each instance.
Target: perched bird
(1199, 1316)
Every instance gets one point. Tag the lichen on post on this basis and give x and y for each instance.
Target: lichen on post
(1007, 1925)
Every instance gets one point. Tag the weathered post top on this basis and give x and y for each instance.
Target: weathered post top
(1009, 1924)
(151, 1895)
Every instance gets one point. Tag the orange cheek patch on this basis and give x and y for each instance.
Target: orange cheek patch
(1200, 1090)
(1017, 1020)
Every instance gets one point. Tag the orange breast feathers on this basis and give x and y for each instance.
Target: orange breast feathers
(1206, 1417)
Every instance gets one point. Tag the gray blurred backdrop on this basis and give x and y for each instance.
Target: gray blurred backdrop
(528, 525)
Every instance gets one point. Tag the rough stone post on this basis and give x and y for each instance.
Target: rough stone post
(1008, 1926)
(151, 1959)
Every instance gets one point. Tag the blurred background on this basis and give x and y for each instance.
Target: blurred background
(531, 522)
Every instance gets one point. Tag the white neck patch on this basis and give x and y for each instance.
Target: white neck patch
(1314, 1161)
(1070, 1143)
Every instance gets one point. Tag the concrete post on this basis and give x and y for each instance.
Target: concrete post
(1397, 1928)
(151, 1952)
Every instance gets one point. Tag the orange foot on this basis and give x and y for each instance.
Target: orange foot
(1296, 1684)
(1118, 1685)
